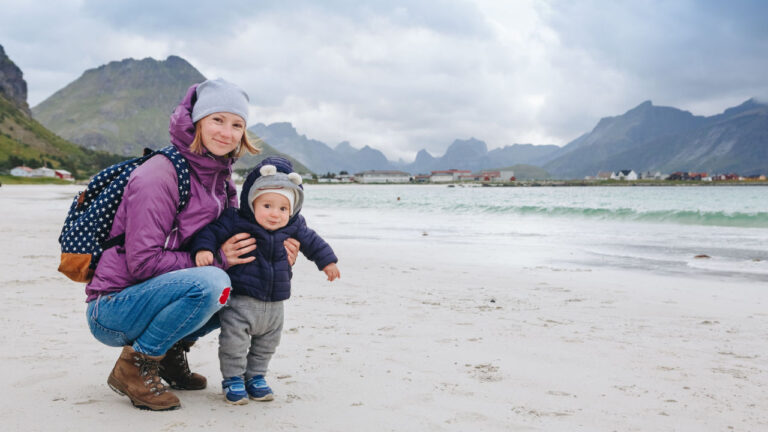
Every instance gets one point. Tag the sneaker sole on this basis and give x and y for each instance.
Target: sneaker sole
(118, 388)
(266, 398)
(243, 401)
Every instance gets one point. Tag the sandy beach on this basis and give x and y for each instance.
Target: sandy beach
(414, 337)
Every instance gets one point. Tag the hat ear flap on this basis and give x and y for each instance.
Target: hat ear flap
(268, 170)
(295, 178)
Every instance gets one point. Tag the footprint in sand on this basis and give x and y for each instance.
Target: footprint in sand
(485, 372)
(521, 410)
(560, 393)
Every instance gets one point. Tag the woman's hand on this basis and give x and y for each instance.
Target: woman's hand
(292, 247)
(237, 246)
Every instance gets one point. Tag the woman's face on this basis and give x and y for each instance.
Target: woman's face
(221, 132)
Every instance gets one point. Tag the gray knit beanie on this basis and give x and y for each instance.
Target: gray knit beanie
(269, 179)
(220, 96)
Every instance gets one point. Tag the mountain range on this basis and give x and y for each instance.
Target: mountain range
(471, 154)
(123, 107)
(318, 156)
(653, 138)
(24, 141)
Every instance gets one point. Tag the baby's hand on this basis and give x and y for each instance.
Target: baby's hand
(332, 272)
(204, 258)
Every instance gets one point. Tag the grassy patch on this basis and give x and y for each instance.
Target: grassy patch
(12, 180)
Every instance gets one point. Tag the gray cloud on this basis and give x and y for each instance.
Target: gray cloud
(402, 76)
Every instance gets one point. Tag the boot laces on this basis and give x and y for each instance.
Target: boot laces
(149, 369)
(180, 356)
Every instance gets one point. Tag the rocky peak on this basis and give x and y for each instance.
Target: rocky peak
(283, 129)
(467, 148)
(345, 148)
(12, 84)
(749, 105)
(424, 156)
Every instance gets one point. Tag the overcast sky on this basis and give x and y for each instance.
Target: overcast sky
(405, 75)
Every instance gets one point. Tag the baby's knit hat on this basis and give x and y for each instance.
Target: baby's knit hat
(275, 175)
(290, 194)
(219, 95)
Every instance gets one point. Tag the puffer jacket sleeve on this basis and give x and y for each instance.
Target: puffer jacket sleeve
(313, 246)
(213, 235)
(150, 202)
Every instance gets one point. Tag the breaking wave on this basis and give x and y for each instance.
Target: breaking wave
(688, 217)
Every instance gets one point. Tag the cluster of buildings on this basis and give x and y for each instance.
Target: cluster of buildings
(25, 171)
(444, 176)
(679, 175)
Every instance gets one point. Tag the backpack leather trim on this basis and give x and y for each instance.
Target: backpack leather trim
(76, 266)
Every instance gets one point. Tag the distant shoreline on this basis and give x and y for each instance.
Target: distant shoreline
(624, 183)
(565, 183)
(11, 180)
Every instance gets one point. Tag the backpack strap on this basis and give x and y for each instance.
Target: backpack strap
(181, 166)
(182, 173)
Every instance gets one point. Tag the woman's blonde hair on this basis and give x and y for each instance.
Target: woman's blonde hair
(245, 143)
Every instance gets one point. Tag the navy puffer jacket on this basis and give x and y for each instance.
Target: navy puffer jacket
(268, 277)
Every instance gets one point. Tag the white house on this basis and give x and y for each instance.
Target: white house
(447, 175)
(651, 175)
(441, 177)
(624, 175)
(497, 176)
(506, 175)
(43, 172)
(383, 176)
(65, 175)
(21, 171)
(604, 175)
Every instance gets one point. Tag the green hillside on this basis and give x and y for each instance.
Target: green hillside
(25, 141)
(122, 107)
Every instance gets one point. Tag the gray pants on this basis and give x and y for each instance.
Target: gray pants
(250, 333)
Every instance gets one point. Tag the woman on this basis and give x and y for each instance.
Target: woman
(147, 295)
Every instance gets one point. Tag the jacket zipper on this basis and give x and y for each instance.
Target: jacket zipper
(213, 193)
(271, 268)
(172, 234)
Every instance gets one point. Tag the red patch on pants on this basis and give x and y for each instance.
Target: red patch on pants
(224, 295)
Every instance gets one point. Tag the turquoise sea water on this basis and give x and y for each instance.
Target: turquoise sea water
(717, 206)
(646, 228)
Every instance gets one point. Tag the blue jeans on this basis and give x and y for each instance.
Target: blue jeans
(153, 315)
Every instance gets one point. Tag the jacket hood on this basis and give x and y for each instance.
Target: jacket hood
(281, 176)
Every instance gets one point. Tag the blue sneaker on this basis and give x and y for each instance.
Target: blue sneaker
(234, 391)
(258, 389)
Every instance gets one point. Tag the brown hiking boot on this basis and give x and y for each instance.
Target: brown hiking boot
(135, 376)
(174, 369)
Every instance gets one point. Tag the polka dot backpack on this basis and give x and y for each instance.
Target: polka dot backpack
(84, 236)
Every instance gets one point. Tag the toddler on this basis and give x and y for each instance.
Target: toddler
(252, 321)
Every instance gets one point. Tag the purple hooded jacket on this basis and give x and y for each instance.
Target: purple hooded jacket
(155, 236)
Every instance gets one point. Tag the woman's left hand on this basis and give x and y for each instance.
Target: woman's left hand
(292, 247)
